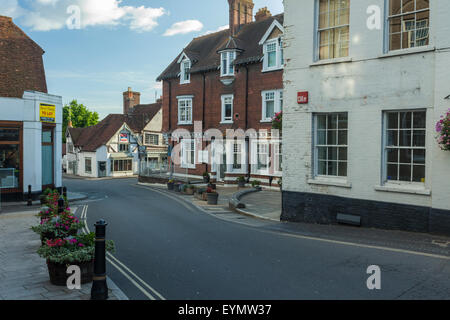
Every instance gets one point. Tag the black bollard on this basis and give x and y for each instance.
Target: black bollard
(30, 200)
(99, 289)
(61, 205)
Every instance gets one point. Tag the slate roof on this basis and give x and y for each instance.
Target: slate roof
(203, 51)
(91, 138)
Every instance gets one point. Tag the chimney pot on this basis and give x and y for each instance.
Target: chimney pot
(241, 13)
(130, 100)
(262, 14)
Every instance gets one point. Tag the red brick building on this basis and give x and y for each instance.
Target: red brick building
(21, 65)
(228, 80)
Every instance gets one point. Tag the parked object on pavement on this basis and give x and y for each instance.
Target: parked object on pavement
(170, 185)
(189, 189)
(241, 181)
(212, 196)
(206, 177)
(256, 184)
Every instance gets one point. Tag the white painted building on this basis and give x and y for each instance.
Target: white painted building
(364, 143)
(30, 144)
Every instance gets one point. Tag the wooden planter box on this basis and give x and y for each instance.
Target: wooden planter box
(58, 275)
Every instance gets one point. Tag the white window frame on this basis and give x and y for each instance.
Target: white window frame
(318, 32)
(148, 139)
(256, 154)
(223, 98)
(183, 72)
(229, 56)
(185, 99)
(327, 145)
(278, 105)
(385, 181)
(230, 145)
(186, 146)
(413, 32)
(90, 165)
(277, 147)
(279, 65)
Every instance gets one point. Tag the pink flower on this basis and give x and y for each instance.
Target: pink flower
(81, 245)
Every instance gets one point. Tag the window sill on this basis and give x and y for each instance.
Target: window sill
(226, 122)
(402, 52)
(342, 183)
(266, 121)
(272, 69)
(331, 61)
(185, 123)
(185, 82)
(419, 190)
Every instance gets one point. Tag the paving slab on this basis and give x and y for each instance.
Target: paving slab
(23, 274)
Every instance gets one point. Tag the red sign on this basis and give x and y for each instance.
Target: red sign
(123, 137)
(302, 97)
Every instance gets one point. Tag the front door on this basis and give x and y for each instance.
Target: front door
(101, 169)
(47, 157)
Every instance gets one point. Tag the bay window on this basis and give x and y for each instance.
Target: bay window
(227, 67)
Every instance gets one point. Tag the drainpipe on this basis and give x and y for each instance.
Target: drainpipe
(203, 111)
(247, 140)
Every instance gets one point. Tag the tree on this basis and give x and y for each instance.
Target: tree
(80, 115)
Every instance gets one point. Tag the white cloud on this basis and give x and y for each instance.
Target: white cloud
(184, 27)
(217, 30)
(46, 15)
(10, 8)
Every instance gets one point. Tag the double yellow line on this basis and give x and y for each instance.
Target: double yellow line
(144, 287)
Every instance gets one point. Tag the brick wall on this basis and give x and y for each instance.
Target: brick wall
(21, 64)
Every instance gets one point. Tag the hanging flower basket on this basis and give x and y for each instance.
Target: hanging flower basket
(277, 121)
(443, 131)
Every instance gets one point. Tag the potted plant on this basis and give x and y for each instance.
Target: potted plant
(280, 183)
(206, 177)
(241, 181)
(256, 184)
(170, 184)
(58, 226)
(43, 196)
(277, 121)
(190, 189)
(73, 250)
(443, 132)
(212, 196)
(199, 192)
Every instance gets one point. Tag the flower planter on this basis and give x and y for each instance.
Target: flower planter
(58, 275)
(51, 236)
(177, 188)
(190, 191)
(241, 184)
(212, 198)
(170, 186)
(206, 179)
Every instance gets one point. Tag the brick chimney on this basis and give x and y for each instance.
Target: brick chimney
(241, 12)
(262, 13)
(130, 100)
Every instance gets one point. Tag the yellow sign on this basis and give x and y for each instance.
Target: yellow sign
(47, 113)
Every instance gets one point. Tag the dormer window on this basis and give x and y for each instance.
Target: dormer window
(185, 75)
(227, 58)
(273, 55)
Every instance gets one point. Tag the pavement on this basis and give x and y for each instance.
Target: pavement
(264, 204)
(23, 274)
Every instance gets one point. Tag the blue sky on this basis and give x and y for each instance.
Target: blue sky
(119, 43)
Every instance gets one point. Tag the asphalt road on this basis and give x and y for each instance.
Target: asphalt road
(184, 253)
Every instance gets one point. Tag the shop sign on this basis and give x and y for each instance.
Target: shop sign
(47, 113)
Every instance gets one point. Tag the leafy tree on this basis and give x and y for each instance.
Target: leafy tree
(80, 115)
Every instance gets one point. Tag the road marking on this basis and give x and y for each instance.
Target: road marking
(346, 243)
(122, 265)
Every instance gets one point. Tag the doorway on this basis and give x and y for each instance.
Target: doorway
(101, 169)
(47, 157)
